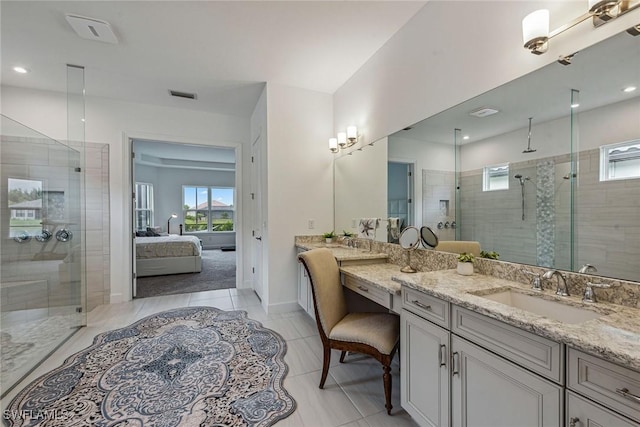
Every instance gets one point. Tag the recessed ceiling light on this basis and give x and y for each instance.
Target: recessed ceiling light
(465, 137)
(21, 70)
(629, 89)
(576, 105)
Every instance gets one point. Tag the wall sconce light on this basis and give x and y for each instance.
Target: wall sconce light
(173, 215)
(535, 26)
(344, 139)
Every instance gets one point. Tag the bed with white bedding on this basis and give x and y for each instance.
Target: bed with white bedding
(172, 254)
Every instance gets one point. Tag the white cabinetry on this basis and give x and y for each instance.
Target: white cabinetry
(424, 387)
(487, 390)
(305, 297)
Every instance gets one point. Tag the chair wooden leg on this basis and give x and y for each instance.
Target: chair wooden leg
(387, 388)
(342, 355)
(325, 365)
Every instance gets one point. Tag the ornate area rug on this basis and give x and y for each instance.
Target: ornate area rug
(194, 366)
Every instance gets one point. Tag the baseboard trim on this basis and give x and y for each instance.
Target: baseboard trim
(116, 298)
(283, 307)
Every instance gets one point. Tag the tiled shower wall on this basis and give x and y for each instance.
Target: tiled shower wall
(494, 218)
(608, 221)
(439, 202)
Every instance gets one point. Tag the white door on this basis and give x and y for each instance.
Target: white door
(132, 186)
(256, 209)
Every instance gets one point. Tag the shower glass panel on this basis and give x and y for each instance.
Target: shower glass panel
(42, 301)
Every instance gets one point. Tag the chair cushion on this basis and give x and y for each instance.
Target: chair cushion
(379, 330)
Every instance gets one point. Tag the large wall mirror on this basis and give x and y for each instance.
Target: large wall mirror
(561, 190)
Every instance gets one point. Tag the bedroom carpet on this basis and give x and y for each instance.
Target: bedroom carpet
(193, 366)
(218, 272)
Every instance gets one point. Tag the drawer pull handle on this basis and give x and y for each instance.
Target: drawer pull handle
(421, 305)
(456, 371)
(625, 392)
(573, 421)
(442, 358)
(362, 288)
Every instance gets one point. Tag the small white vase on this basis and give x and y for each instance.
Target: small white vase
(465, 268)
(329, 239)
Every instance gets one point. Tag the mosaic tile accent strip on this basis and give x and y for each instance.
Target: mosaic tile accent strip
(545, 214)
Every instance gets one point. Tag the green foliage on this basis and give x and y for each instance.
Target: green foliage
(224, 226)
(329, 235)
(346, 233)
(489, 255)
(19, 195)
(465, 257)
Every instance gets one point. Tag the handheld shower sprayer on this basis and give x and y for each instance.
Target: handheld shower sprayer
(522, 180)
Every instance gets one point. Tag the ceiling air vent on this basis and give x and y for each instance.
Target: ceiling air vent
(183, 94)
(483, 112)
(92, 29)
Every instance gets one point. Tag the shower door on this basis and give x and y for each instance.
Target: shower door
(42, 302)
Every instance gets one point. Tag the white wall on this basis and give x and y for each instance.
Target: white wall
(451, 51)
(299, 181)
(111, 122)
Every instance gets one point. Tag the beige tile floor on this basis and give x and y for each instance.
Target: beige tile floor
(353, 395)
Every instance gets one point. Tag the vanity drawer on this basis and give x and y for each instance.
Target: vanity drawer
(612, 385)
(426, 306)
(368, 291)
(535, 353)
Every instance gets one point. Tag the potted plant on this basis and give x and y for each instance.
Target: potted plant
(346, 233)
(328, 237)
(465, 264)
(489, 255)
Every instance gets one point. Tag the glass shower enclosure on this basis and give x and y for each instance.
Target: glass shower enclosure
(42, 299)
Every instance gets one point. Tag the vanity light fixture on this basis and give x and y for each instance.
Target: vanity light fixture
(21, 70)
(535, 26)
(333, 145)
(344, 139)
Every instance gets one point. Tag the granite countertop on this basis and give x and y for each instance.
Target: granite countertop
(378, 275)
(615, 336)
(343, 253)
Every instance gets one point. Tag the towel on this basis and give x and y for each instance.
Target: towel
(367, 228)
(394, 228)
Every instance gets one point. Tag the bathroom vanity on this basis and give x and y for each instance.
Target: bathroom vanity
(482, 350)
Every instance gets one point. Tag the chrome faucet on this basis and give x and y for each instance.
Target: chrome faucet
(588, 268)
(589, 294)
(350, 242)
(536, 283)
(560, 290)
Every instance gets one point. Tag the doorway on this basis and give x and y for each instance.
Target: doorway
(184, 216)
(400, 188)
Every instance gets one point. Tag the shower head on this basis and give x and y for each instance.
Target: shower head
(518, 176)
(529, 150)
(521, 178)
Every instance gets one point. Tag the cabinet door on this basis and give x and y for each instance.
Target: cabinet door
(303, 286)
(581, 413)
(310, 308)
(424, 381)
(487, 390)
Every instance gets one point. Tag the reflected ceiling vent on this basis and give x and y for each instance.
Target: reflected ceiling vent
(186, 95)
(408, 128)
(92, 29)
(483, 112)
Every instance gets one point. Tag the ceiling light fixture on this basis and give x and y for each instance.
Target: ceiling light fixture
(575, 105)
(629, 89)
(344, 139)
(535, 26)
(484, 112)
(465, 137)
(21, 70)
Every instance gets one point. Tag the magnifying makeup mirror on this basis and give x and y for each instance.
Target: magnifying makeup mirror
(409, 241)
(429, 238)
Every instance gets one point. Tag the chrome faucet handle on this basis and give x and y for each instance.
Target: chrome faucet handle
(588, 268)
(589, 295)
(536, 283)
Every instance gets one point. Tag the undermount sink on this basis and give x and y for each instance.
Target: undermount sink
(551, 309)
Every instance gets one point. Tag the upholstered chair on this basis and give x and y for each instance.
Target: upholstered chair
(459, 246)
(374, 334)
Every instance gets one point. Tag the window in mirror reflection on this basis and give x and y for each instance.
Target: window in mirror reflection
(620, 161)
(496, 177)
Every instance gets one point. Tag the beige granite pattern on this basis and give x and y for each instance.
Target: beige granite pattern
(343, 253)
(615, 336)
(378, 275)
